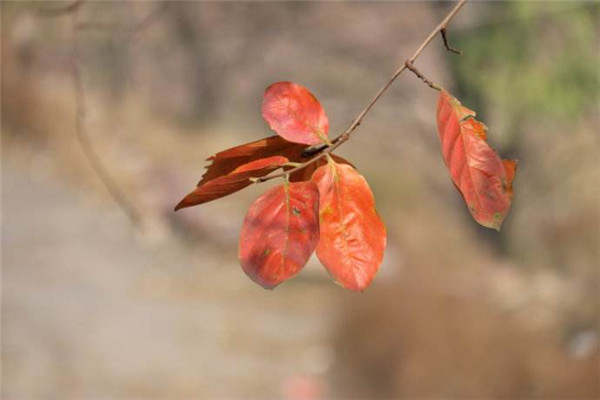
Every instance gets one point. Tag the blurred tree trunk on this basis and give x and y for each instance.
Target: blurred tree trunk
(191, 34)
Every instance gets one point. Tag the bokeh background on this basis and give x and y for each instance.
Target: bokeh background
(95, 308)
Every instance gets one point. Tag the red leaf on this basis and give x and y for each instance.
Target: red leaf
(483, 179)
(226, 161)
(280, 232)
(232, 182)
(353, 236)
(295, 114)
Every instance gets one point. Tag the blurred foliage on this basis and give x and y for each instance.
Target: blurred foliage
(529, 60)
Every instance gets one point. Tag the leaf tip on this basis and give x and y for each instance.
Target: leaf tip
(180, 205)
(495, 223)
(356, 287)
(267, 286)
(188, 201)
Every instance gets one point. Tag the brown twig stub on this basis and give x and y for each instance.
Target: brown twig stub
(419, 75)
(83, 137)
(408, 64)
(447, 45)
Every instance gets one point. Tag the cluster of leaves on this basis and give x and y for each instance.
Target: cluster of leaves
(327, 206)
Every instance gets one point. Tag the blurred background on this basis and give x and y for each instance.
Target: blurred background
(93, 307)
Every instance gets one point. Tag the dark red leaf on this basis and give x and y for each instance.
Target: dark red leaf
(295, 114)
(234, 181)
(353, 237)
(280, 232)
(483, 179)
(226, 161)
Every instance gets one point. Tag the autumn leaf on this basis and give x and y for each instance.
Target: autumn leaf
(280, 232)
(295, 114)
(236, 180)
(227, 160)
(353, 237)
(483, 179)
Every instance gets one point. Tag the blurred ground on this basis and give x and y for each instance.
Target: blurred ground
(89, 311)
(91, 308)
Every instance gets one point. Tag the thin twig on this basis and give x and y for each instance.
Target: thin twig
(344, 136)
(109, 27)
(132, 32)
(148, 20)
(60, 10)
(447, 45)
(411, 67)
(84, 139)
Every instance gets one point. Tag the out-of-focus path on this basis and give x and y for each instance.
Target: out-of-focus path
(91, 311)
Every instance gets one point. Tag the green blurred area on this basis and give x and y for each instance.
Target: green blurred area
(530, 62)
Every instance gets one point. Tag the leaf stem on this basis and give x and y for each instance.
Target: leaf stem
(345, 136)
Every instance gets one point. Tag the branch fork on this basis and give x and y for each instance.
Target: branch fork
(325, 149)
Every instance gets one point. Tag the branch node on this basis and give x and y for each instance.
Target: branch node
(312, 150)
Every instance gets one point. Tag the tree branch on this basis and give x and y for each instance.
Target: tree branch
(60, 10)
(344, 136)
(82, 133)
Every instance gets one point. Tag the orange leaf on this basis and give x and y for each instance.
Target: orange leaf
(232, 182)
(280, 232)
(483, 179)
(295, 114)
(511, 170)
(353, 236)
